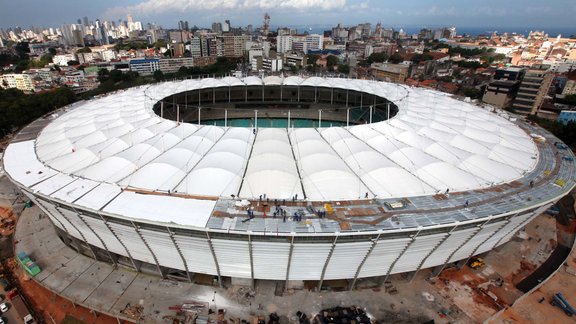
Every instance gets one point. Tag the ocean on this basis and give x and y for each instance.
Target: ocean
(473, 31)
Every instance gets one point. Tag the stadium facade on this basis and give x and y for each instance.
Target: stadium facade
(439, 181)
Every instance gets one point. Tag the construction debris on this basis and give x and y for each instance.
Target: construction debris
(135, 312)
(342, 315)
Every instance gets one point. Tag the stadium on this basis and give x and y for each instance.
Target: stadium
(286, 179)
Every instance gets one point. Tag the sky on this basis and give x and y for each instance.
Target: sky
(392, 13)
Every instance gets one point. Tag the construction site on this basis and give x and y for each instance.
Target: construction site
(410, 213)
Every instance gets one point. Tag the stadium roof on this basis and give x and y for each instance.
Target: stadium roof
(90, 154)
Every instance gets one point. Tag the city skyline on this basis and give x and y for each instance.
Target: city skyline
(202, 13)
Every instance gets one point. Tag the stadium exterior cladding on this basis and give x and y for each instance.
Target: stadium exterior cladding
(181, 233)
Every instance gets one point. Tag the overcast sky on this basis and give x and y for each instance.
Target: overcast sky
(430, 13)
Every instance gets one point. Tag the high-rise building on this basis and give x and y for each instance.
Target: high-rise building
(503, 87)
(378, 31)
(66, 31)
(78, 37)
(217, 27)
(234, 46)
(284, 43)
(425, 34)
(315, 42)
(533, 90)
(226, 27)
(366, 30)
(183, 25)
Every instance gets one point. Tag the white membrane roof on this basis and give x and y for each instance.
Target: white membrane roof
(434, 143)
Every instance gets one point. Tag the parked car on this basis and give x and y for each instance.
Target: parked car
(4, 307)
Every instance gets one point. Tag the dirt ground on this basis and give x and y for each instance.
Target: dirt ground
(7, 221)
(52, 307)
(535, 307)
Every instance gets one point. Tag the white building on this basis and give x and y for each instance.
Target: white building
(284, 43)
(63, 59)
(272, 65)
(19, 81)
(315, 42)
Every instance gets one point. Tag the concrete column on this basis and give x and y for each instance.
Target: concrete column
(215, 259)
(374, 243)
(326, 263)
(137, 230)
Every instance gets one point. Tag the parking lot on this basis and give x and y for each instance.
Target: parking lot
(11, 316)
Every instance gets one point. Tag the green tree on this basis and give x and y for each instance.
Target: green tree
(469, 64)
(182, 72)
(396, 58)
(158, 75)
(377, 58)
(344, 69)
(103, 75)
(332, 61)
(160, 43)
(84, 49)
(473, 93)
(52, 51)
(22, 66)
(570, 99)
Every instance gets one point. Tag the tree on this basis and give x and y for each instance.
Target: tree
(73, 62)
(469, 64)
(160, 43)
(396, 58)
(52, 51)
(344, 69)
(377, 58)
(84, 49)
(22, 66)
(332, 61)
(570, 99)
(417, 58)
(182, 72)
(158, 75)
(116, 75)
(473, 93)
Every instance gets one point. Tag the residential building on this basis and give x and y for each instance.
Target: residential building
(226, 27)
(145, 66)
(63, 59)
(19, 81)
(533, 90)
(293, 60)
(217, 27)
(172, 65)
(284, 43)
(390, 72)
(503, 87)
(260, 63)
(315, 42)
(570, 87)
(234, 46)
